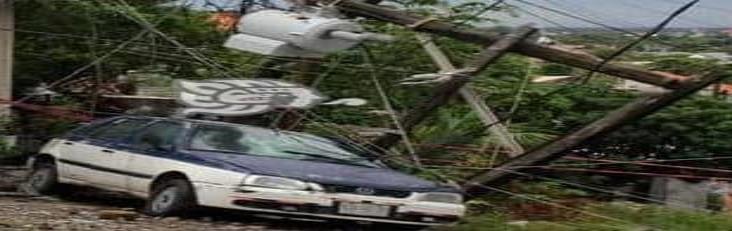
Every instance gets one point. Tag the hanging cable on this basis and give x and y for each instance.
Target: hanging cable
(554, 204)
(91, 64)
(133, 15)
(645, 36)
(368, 58)
(477, 14)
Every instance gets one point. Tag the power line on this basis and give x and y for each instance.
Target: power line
(538, 16)
(655, 165)
(603, 190)
(133, 15)
(174, 57)
(205, 49)
(681, 176)
(477, 14)
(593, 14)
(645, 36)
(719, 9)
(613, 162)
(586, 12)
(368, 57)
(593, 22)
(634, 5)
(91, 64)
(555, 204)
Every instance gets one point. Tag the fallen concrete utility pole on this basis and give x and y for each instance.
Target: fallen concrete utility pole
(554, 54)
(446, 90)
(630, 112)
(473, 99)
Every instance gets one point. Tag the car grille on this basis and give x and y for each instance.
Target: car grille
(366, 191)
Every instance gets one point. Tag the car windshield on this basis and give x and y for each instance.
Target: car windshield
(280, 144)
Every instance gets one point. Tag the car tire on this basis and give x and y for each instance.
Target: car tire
(43, 178)
(170, 197)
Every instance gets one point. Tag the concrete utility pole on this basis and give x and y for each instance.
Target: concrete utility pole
(632, 111)
(7, 35)
(447, 89)
(484, 112)
(549, 53)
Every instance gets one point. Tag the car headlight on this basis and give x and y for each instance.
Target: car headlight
(453, 198)
(275, 182)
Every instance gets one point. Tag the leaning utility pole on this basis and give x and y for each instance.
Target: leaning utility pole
(7, 35)
(485, 113)
(444, 91)
(633, 111)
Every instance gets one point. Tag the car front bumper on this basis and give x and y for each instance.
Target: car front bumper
(407, 211)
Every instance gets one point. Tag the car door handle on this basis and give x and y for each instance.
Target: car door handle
(107, 151)
(68, 143)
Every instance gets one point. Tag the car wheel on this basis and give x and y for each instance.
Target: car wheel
(43, 178)
(170, 197)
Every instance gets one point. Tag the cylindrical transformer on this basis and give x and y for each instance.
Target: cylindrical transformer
(300, 30)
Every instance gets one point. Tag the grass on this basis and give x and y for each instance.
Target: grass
(627, 216)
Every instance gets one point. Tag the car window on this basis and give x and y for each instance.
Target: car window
(118, 129)
(219, 138)
(247, 140)
(159, 136)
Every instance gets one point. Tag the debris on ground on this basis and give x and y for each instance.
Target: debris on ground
(86, 209)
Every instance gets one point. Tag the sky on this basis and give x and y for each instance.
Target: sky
(624, 13)
(619, 13)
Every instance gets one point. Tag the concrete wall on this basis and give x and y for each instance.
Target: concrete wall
(681, 194)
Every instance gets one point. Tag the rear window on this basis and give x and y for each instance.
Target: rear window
(158, 136)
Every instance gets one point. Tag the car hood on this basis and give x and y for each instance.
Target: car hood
(322, 173)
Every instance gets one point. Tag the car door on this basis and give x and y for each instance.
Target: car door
(151, 151)
(70, 144)
(96, 159)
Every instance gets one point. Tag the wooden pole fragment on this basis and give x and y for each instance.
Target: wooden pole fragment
(630, 112)
(554, 54)
(447, 89)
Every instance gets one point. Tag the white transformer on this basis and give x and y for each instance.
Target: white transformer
(290, 34)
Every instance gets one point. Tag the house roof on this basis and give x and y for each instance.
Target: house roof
(225, 21)
(725, 89)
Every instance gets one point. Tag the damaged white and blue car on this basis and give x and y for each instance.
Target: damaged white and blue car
(179, 164)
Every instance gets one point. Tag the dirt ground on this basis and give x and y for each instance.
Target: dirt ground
(17, 213)
(87, 209)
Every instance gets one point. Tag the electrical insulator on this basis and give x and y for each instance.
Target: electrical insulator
(291, 34)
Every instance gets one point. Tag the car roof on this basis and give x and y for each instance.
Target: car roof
(187, 120)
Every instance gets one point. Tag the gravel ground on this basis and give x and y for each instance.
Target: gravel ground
(49, 214)
(88, 209)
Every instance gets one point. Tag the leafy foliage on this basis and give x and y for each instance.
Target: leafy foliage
(57, 37)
